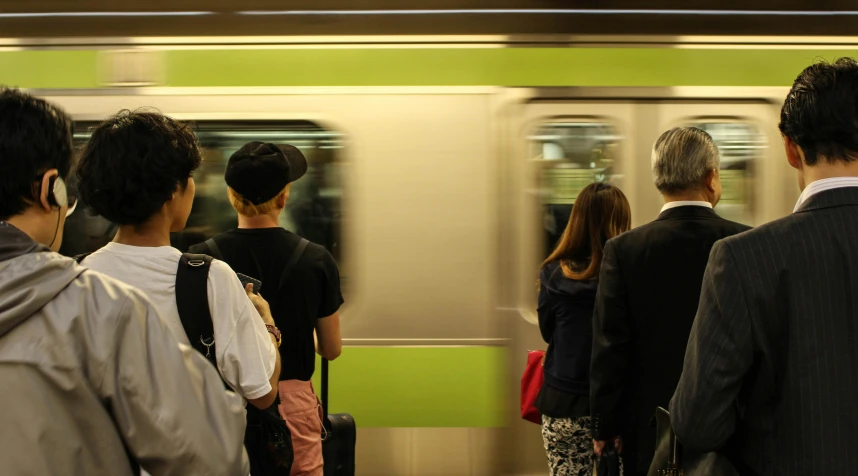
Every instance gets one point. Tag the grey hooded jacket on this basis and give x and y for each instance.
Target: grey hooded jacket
(90, 374)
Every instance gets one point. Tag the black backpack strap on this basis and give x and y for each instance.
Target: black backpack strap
(214, 250)
(293, 260)
(79, 258)
(193, 303)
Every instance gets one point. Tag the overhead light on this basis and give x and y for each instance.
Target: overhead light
(545, 11)
(555, 11)
(102, 14)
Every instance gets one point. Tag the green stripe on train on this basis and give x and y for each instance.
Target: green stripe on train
(433, 67)
(419, 386)
(49, 69)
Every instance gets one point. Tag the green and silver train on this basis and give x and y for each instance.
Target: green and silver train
(442, 171)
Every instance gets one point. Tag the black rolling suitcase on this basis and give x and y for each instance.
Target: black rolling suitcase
(338, 446)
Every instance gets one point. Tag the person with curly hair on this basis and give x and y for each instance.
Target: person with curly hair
(136, 171)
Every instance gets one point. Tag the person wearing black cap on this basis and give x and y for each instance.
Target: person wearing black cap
(299, 279)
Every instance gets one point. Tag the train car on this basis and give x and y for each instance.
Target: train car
(442, 171)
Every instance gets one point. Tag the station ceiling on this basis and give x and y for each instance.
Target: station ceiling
(109, 18)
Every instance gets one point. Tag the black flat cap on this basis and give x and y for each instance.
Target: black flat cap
(260, 170)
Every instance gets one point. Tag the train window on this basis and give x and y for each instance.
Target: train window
(741, 145)
(315, 201)
(570, 154)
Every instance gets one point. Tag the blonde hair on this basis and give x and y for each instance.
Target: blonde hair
(245, 207)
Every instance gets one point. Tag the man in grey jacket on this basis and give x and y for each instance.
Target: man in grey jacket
(93, 382)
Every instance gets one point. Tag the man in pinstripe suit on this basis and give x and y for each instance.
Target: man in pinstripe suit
(771, 368)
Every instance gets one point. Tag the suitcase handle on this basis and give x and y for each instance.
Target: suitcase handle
(325, 390)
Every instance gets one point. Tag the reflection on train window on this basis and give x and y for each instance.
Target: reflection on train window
(570, 154)
(313, 209)
(741, 145)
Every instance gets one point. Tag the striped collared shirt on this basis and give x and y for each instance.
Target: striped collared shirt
(823, 185)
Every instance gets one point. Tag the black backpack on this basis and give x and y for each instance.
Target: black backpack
(214, 250)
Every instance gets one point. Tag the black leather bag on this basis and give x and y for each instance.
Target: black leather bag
(267, 438)
(671, 460)
(340, 436)
(609, 463)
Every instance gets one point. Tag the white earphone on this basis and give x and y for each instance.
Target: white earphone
(59, 196)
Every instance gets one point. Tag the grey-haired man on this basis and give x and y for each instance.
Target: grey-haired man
(649, 286)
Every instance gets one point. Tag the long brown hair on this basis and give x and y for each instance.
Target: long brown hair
(600, 213)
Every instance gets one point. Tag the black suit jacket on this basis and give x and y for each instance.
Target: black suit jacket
(772, 361)
(649, 286)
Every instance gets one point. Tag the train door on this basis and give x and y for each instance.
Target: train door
(562, 145)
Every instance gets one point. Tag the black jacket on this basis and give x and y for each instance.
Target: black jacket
(772, 359)
(565, 321)
(645, 306)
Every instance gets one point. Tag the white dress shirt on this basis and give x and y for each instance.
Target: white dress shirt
(823, 185)
(685, 203)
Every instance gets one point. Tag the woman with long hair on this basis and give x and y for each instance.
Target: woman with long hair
(567, 294)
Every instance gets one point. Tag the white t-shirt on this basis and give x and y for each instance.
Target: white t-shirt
(245, 354)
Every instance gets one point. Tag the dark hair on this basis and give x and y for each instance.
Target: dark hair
(133, 163)
(35, 136)
(820, 113)
(600, 213)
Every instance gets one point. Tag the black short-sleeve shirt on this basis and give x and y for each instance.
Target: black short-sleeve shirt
(310, 292)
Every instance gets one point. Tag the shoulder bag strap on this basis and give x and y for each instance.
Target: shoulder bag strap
(293, 260)
(214, 250)
(193, 303)
(79, 258)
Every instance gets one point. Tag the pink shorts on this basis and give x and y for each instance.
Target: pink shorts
(301, 410)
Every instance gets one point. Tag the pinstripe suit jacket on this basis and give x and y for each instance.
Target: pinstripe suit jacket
(771, 367)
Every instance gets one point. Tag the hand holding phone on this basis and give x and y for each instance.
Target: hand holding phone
(245, 280)
(260, 304)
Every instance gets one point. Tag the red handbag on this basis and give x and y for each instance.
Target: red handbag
(531, 384)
